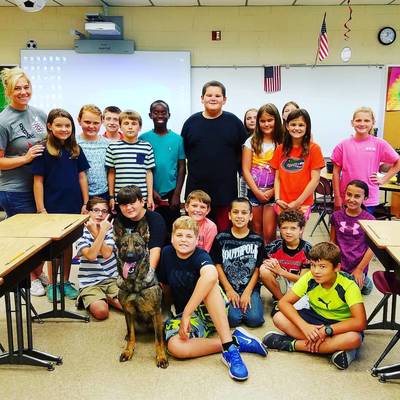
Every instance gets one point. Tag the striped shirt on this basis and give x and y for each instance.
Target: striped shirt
(92, 273)
(131, 162)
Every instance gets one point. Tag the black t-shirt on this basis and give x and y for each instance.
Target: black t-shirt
(213, 148)
(238, 257)
(156, 224)
(181, 275)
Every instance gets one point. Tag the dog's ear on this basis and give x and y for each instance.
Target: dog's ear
(119, 230)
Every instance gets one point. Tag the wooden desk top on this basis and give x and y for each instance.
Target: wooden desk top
(14, 251)
(382, 233)
(53, 226)
(394, 252)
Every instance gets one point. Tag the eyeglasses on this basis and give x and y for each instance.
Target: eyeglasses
(97, 210)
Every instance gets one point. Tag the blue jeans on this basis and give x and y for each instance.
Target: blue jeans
(253, 316)
(17, 203)
(368, 286)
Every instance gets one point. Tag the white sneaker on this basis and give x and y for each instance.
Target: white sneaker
(37, 288)
(44, 279)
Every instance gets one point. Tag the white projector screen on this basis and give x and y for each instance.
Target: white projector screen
(65, 79)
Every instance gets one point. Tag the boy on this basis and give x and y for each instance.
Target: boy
(130, 160)
(213, 144)
(98, 270)
(287, 256)
(191, 280)
(170, 169)
(197, 206)
(238, 254)
(336, 319)
(111, 123)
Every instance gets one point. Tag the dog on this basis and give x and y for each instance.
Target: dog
(139, 292)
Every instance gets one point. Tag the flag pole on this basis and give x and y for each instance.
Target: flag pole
(319, 42)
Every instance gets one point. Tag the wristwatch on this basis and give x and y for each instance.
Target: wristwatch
(328, 330)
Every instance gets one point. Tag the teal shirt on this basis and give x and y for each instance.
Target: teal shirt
(168, 149)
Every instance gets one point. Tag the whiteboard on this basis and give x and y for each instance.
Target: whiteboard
(329, 94)
(65, 79)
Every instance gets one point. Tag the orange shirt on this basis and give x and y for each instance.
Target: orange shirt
(295, 171)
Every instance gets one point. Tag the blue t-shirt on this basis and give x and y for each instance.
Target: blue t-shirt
(181, 275)
(62, 192)
(168, 150)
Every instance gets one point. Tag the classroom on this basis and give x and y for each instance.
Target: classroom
(175, 53)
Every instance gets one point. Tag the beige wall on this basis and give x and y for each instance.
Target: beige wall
(250, 35)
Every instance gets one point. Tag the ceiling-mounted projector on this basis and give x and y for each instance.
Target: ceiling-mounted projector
(102, 28)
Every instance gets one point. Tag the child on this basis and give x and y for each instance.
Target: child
(190, 279)
(347, 233)
(298, 163)
(130, 160)
(213, 142)
(238, 254)
(287, 257)
(250, 120)
(359, 158)
(169, 172)
(111, 123)
(197, 206)
(98, 270)
(60, 184)
(256, 155)
(94, 147)
(288, 108)
(336, 319)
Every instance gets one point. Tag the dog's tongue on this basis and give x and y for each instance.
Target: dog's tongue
(128, 268)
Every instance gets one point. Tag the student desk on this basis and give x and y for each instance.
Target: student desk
(382, 237)
(63, 230)
(18, 256)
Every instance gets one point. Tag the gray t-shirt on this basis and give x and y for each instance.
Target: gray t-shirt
(18, 131)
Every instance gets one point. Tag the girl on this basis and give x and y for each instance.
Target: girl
(250, 120)
(348, 235)
(359, 157)
(256, 155)
(59, 182)
(288, 108)
(94, 147)
(298, 163)
(98, 270)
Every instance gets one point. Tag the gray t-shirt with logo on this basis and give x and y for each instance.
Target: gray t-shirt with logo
(20, 130)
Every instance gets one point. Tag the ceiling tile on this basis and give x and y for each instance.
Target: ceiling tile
(127, 3)
(175, 3)
(270, 2)
(319, 2)
(223, 2)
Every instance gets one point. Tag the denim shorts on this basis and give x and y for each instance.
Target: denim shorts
(17, 203)
(255, 202)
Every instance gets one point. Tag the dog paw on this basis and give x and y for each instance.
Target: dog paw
(162, 362)
(125, 356)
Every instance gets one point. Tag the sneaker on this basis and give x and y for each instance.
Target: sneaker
(275, 308)
(341, 359)
(37, 288)
(249, 343)
(76, 260)
(278, 341)
(70, 291)
(50, 293)
(44, 279)
(237, 369)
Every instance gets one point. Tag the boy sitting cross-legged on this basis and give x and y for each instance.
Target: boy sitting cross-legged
(336, 318)
(190, 280)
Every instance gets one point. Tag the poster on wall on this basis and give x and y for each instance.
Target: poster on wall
(3, 100)
(393, 89)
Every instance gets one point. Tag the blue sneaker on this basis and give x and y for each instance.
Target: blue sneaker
(237, 369)
(249, 343)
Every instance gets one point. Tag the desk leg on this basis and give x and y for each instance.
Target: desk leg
(385, 324)
(60, 312)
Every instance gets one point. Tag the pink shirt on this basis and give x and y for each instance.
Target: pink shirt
(359, 159)
(207, 233)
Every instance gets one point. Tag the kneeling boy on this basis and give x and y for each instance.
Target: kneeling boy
(336, 318)
(190, 278)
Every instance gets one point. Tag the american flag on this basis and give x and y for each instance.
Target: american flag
(323, 47)
(272, 78)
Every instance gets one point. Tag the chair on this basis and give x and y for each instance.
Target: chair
(382, 211)
(323, 202)
(389, 284)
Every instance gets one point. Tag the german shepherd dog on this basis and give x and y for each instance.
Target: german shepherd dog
(140, 297)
